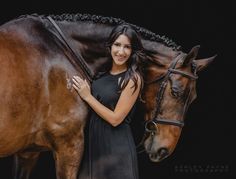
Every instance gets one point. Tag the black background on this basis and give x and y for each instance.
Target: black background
(207, 139)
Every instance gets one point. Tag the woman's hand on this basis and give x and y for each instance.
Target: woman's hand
(82, 87)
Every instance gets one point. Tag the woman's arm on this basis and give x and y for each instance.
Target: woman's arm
(123, 106)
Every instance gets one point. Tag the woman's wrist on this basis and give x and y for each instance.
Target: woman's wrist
(88, 98)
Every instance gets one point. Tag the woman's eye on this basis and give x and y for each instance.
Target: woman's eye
(117, 44)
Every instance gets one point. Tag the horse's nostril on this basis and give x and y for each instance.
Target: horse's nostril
(163, 152)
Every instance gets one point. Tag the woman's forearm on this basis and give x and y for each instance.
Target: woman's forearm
(104, 112)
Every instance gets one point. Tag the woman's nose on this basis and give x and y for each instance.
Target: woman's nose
(121, 51)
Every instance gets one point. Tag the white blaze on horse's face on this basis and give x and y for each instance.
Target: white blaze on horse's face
(121, 51)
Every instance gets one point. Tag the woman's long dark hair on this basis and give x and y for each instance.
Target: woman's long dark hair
(136, 57)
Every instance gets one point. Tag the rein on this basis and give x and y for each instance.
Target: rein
(151, 125)
(79, 63)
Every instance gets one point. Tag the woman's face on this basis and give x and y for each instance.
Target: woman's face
(121, 50)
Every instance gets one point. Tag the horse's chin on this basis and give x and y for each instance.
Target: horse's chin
(158, 155)
(154, 157)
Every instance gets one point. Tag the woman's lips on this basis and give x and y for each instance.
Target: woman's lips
(120, 58)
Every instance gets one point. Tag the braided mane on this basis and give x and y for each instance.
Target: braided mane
(114, 21)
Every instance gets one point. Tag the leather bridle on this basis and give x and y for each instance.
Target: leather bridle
(164, 81)
(151, 125)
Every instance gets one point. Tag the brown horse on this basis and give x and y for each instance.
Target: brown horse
(40, 110)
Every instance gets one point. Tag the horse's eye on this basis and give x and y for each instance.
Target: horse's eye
(176, 92)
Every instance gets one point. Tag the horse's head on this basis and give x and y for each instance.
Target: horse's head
(170, 88)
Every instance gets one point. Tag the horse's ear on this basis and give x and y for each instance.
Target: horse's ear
(191, 55)
(203, 63)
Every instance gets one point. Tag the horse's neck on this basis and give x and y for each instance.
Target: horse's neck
(157, 48)
(89, 38)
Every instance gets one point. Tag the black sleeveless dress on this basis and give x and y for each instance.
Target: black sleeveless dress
(110, 152)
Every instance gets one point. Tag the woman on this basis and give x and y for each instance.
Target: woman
(111, 152)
